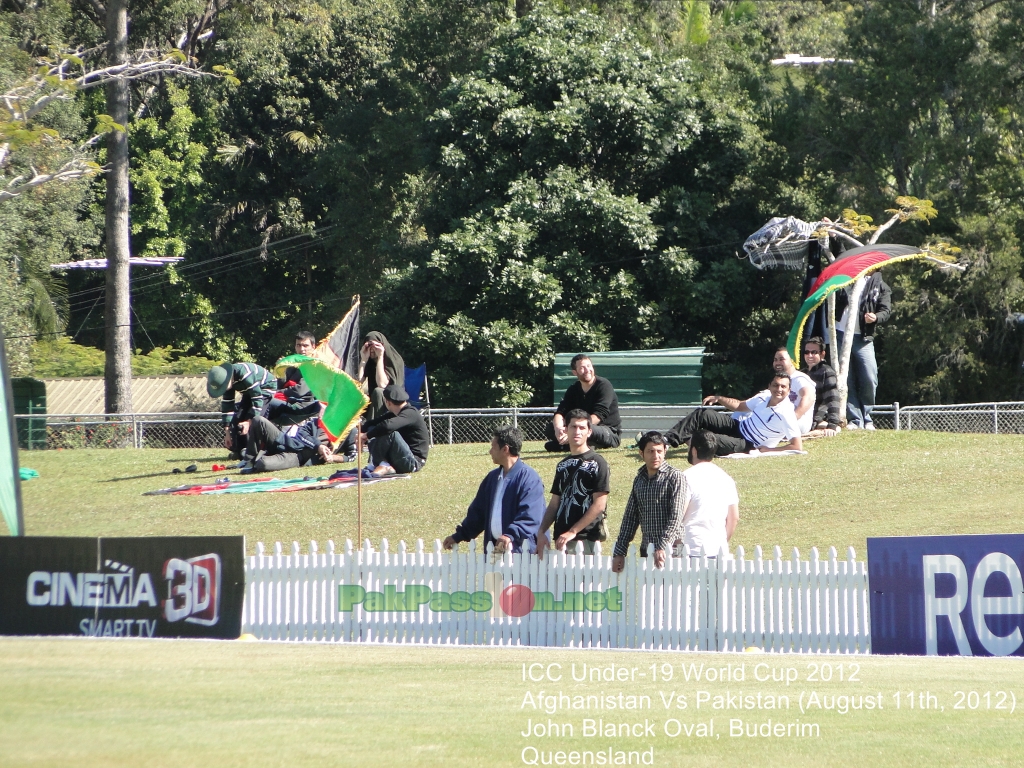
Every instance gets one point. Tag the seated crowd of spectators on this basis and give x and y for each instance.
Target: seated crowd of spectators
(275, 424)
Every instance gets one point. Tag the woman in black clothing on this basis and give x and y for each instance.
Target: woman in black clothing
(379, 366)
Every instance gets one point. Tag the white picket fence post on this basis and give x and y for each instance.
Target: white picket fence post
(695, 602)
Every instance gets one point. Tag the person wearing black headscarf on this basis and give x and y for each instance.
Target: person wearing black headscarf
(379, 366)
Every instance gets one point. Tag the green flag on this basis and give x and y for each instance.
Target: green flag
(339, 392)
(10, 483)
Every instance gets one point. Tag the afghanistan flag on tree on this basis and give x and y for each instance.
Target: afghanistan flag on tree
(846, 270)
(342, 397)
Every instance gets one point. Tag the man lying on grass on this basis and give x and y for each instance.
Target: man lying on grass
(760, 423)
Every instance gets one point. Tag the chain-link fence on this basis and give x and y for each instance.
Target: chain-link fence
(998, 418)
(129, 430)
(462, 425)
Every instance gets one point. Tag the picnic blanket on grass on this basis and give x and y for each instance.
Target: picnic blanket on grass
(760, 454)
(271, 485)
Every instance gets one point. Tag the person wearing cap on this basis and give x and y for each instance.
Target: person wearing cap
(254, 383)
(399, 440)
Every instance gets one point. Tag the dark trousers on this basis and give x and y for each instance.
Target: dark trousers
(726, 429)
(263, 437)
(393, 449)
(348, 445)
(601, 436)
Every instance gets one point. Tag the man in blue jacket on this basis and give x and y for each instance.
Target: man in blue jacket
(509, 504)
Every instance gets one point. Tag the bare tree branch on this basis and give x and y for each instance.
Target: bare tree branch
(27, 100)
(76, 168)
(896, 218)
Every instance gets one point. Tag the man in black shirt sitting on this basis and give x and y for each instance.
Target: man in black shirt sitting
(592, 394)
(399, 440)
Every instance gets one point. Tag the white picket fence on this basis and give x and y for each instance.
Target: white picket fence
(694, 603)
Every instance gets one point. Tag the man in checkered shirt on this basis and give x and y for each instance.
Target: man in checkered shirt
(655, 505)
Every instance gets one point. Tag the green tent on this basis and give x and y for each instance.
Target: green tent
(10, 484)
(643, 376)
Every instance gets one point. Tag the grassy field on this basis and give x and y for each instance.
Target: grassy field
(156, 703)
(846, 489)
(164, 702)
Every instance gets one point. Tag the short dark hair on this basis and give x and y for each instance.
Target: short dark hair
(509, 437)
(576, 359)
(654, 437)
(705, 444)
(306, 336)
(816, 340)
(577, 413)
(785, 376)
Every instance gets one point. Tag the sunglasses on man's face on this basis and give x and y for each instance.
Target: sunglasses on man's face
(812, 352)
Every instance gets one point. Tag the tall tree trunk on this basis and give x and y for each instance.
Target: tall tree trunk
(118, 367)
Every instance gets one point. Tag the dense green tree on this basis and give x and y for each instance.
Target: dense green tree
(570, 173)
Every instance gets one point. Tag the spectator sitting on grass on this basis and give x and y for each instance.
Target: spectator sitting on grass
(399, 440)
(293, 403)
(826, 420)
(592, 394)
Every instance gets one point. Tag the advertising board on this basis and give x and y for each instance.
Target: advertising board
(176, 586)
(947, 595)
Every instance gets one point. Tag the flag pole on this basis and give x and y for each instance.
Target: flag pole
(359, 485)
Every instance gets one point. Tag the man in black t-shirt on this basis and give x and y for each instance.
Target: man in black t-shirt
(594, 395)
(579, 494)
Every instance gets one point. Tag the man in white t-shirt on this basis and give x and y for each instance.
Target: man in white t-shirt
(766, 419)
(710, 501)
(801, 389)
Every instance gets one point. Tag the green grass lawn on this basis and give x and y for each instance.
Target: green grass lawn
(165, 702)
(176, 703)
(846, 489)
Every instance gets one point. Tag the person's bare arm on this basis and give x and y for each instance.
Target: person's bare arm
(805, 403)
(597, 506)
(561, 435)
(382, 375)
(731, 520)
(795, 444)
(728, 402)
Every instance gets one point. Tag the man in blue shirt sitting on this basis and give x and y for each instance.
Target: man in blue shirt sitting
(509, 504)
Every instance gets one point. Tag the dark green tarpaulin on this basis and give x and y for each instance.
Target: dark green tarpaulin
(642, 377)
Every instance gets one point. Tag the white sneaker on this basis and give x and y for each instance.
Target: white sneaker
(853, 425)
(870, 426)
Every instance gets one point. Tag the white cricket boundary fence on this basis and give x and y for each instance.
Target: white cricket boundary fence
(693, 603)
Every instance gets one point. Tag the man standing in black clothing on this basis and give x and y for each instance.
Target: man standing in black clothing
(579, 494)
(399, 440)
(862, 380)
(592, 394)
(826, 392)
